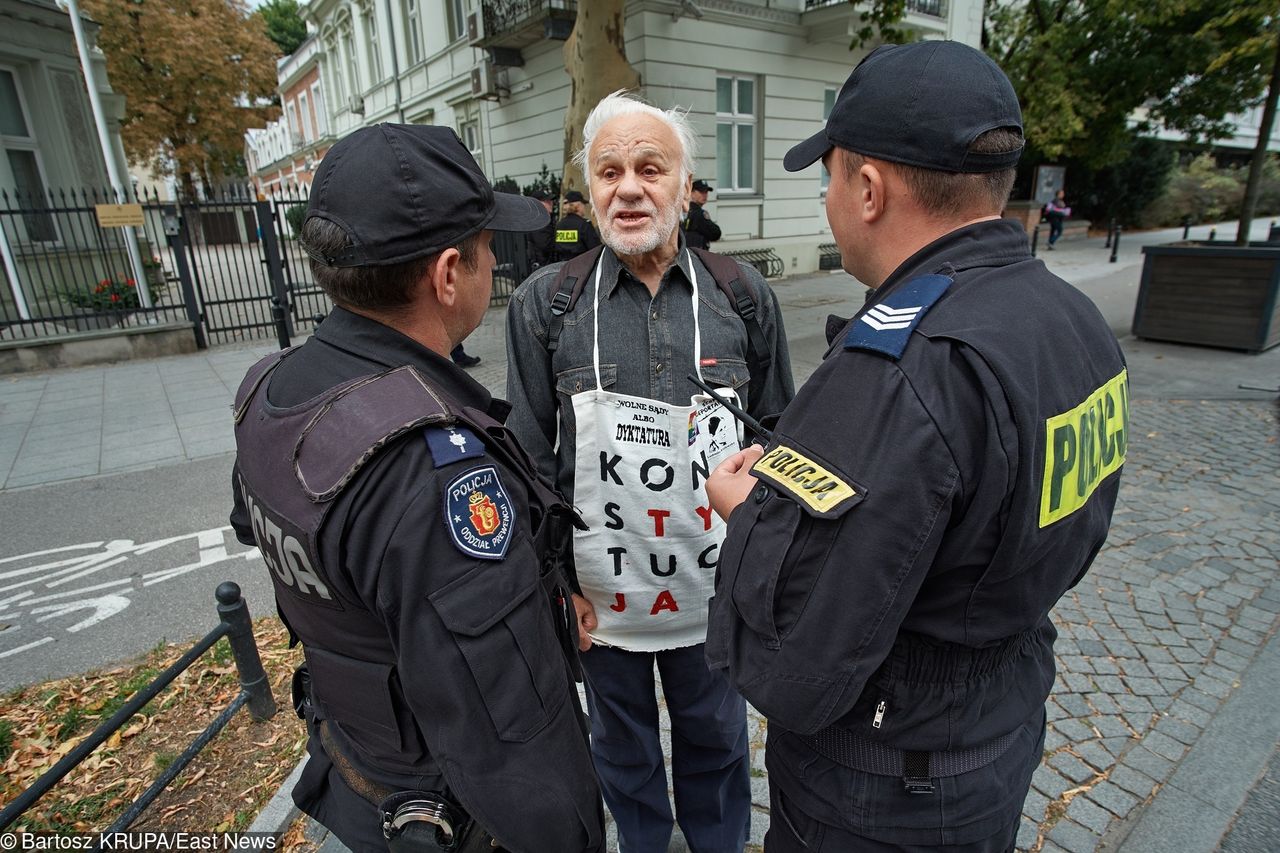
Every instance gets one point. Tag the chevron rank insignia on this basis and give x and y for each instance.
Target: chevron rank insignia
(887, 325)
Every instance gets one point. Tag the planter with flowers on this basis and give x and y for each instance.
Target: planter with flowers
(154, 269)
(104, 305)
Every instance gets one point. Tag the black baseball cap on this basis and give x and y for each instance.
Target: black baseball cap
(920, 104)
(406, 191)
(574, 195)
(701, 186)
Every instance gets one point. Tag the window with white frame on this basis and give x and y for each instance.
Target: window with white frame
(334, 73)
(413, 25)
(375, 50)
(304, 118)
(736, 134)
(350, 67)
(469, 132)
(828, 102)
(457, 19)
(317, 104)
(22, 156)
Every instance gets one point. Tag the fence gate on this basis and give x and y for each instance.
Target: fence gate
(242, 257)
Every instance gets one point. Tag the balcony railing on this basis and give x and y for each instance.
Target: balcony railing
(932, 8)
(515, 23)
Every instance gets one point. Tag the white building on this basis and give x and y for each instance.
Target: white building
(756, 75)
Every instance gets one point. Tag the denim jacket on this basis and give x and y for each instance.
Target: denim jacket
(646, 350)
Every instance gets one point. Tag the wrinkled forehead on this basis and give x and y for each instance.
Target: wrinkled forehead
(632, 138)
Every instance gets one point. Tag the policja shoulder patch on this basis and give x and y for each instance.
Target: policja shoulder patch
(449, 444)
(887, 325)
(816, 486)
(479, 514)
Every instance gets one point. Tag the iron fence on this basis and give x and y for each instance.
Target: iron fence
(64, 273)
(255, 692)
(219, 265)
(932, 8)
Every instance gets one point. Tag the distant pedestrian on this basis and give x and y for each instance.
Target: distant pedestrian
(574, 234)
(699, 231)
(1056, 211)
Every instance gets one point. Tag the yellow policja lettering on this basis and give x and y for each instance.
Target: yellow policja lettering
(814, 485)
(1083, 446)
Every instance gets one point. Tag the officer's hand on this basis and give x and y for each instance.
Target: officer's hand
(731, 483)
(586, 621)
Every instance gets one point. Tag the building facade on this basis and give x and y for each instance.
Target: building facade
(284, 155)
(755, 75)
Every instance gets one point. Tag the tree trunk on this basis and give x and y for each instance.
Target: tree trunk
(595, 56)
(1260, 152)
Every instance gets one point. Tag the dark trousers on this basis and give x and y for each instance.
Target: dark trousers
(1055, 226)
(710, 764)
(792, 831)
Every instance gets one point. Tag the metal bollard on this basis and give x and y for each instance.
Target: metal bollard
(1035, 240)
(1213, 234)
(1111, 228)
(1186, 227)
(1115, 243)
(282, 326)
(253, 678)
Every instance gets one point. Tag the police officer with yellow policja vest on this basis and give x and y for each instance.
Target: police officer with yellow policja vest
(945, 475)
(574, 234)
(405, 530)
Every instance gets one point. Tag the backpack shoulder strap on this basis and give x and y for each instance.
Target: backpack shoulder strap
(728, 276)
(566, 289)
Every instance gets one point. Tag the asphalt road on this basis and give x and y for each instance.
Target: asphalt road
(102, 569)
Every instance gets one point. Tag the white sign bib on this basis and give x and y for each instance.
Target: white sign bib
(647, 563)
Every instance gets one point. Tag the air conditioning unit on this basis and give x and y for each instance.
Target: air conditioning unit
(356, 105)
(475, 27)
(484, 82)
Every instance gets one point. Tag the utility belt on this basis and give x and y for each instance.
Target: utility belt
(412, 821)
(916, 769)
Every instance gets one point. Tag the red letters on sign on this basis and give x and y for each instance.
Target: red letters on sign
(704, 513)
(658, 515)
(619, 604)
(664, 601)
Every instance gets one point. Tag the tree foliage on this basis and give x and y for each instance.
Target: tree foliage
(194, 74)
(1091, 73)
(285, 26)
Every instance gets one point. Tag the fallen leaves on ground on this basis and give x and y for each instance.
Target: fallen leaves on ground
(222, 789)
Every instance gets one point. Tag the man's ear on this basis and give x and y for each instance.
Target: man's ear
(871, 191)
(686, 193)
(443, 279)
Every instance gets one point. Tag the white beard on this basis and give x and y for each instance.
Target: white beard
(662, 223)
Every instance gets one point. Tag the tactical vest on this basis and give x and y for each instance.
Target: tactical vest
(293, 464)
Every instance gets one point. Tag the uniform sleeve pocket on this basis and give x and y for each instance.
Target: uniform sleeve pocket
(357, 696)
(502, 626)
(756, 568)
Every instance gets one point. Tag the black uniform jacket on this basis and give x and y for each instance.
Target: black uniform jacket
(699, 230)
(919, 513)
(574, 235)
(458, 679)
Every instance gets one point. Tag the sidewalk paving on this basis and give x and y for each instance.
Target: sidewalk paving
(1167, 648)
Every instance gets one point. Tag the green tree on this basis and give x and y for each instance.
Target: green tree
(1090, 73)
(195, 75)
(284, 25)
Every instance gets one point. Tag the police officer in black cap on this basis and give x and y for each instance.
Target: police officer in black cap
(699, 231)
(574, 234)
(947, 473)
(542, 242)
(404, 529)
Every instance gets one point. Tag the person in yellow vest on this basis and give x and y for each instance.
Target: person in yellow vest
(574, 233)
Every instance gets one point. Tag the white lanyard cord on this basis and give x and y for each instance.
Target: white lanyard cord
(595, 319)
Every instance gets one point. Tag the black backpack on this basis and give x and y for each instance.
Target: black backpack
(573, 278)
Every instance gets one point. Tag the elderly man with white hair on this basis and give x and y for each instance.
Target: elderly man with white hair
(601, 350)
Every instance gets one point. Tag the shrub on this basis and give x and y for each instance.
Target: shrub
(294, 215)
(109, 294)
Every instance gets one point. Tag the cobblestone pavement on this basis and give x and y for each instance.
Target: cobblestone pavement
(1156, 635)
